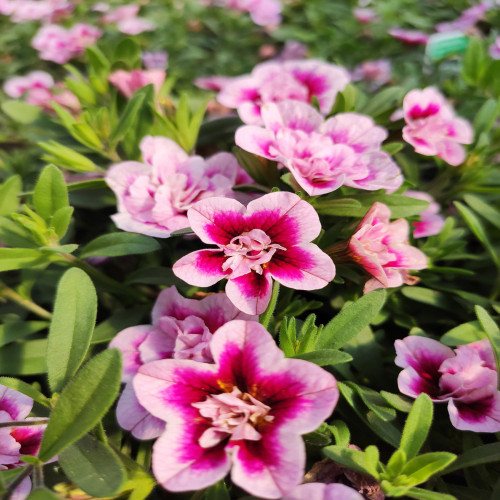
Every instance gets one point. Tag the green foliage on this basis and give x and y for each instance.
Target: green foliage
(118, 244)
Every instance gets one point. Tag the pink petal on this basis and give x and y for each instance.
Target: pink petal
(251, 292)
(255, 140)
(479, 416)
(15, 403)
(321, 491)
(201, 268)
(290, 114)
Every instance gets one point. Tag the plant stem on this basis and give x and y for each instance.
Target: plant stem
(19, 479)
(266, 316)
(100, 434)
(24, 423)
(10, 294)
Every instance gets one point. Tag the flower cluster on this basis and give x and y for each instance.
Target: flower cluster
(466, 379)
(432, 127)
(322, 155)
(154, 196)
(262, 12)
(129, 82)
(22, 11)
(127, 21)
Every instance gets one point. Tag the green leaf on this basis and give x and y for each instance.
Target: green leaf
(385, 100)
(82, 404)
(351, 320)
(373, 401)
(427, 296)
(61, 219)
(417, 426)
(43, 494)
(128, 51)
(217, 492)
(341, 433)
(24, 388)
(393, 147)
(486, 210)
(324, 357)
(17, 329)
(73, 322)
(492, 331)
(486, 116)
(118, 244)
(261, 170)
(20, 111)
(9, 191)
(397, 401)
(14, 234)
(85, 134)
(353, 459)
(396, 463)
(473, 63)
(93, 467)
(287, 336)
(421, 468)
(477, 228)
(19, 258)
(67, 158)
(24, 358)
(489, 453)
(50, 192)
(117, 322)
(463, 334)
(421, 494)
(154, 276)
(339, 207)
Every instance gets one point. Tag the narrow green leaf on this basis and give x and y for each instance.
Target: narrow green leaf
(82, 404)
(340, 207)
(351, 320)
(50, 192)
(383, 101)
(17, 329)
(473, 62)
(43, 494)
(217, 492)
(353, 459)
(24, 358)
(396, 463)
(128, 51)
(340, 432)
(24, 388)
(61, 219)
(421, 494)
(9, 192)
(93, 467)
(286, 340)
(261, 170)
(373, 401)
(117, 322)
(67, 158)
(19, 258)
(20, 111)
(421, 468)
(324, 357)
(486, 210)
(417, 426)
(489, 453)
(73, 322)
(397, 401)
(463, 334)
(485, 117)
(118, 244)
(427, 296)
(492, 331)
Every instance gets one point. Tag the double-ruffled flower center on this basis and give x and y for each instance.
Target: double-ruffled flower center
(248, 251)
(234, 415)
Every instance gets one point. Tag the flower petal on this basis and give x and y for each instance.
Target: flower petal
(201, 268)
(479, 416)
(251, 292)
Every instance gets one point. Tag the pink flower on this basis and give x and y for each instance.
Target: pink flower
(322, 155)
(17, 441)
(155, 60)
(60, 45)
(268, 239)
(135, 26)
(292, 50)
(321, 491)
(467, 19)
(36, 10)
(364, 15)
(432, 127)
(245, 413)
(262, 12)
(129, 82)
(181, 329)
(154, 196)
(430, 222)
(467, 379)
(381, 248)
(377, 72)
(275, 81)
(494, 49)
(16, 86)
(121, 13)
(409, 36)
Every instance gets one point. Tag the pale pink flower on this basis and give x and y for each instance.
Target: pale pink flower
(17, 441)
(59, 45)
(243, 414)
(467, 379)
(364, 15)
(268, 239)
(321, 491)
(467, 19)
(129, 82)
(322, 155)
(262, 12)
(212, 82)
(409, 36)
(119, 14)
(274, 81)
(154, 196)
(16, 86)
(377, 72)
(292, 50)
(181, 329)
(155, 60)
(432, 127)
(22, 11)
(431, 222)
(381, 248)
(494, 50)
(135, 26)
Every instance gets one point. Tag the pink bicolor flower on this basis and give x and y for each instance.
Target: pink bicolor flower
(17, 441)
(243, 414)
(181, 329)
(467, 19)
(431, 222)
(268, 239)
(274, 81)
(321, 491)
(364, 15)
(377, 72)
(212, 82)
(59, 45)
(129, 82)
(494, 50)
(466, 379)
(154, 196)
(155, 60)
(322, 155)
(381, 248)
(262, 12)
(432, 127)
(16, 86)
(409, 36)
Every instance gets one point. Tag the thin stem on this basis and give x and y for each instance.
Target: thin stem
(10, 294)
(37, 477)
(266, 316)
(24, 423)
(100, 434)
(19, 479)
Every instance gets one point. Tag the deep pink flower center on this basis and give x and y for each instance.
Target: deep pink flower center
(234, 415)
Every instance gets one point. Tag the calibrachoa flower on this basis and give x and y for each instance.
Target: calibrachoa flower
(129, 82)
(17, 441)
(58, 44)
(430, 222)
(262, 12)
(22, 11)
(494, 50)
(181, 329)
(245, 413)
(154, 196)
(275, 81)
(322, 155)
(321, 491)
(409, 36)
(364, 15)
(467, 379)
(377, 72)
(381, 248)
(467, 19)
(268, 239)
(432, 127)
